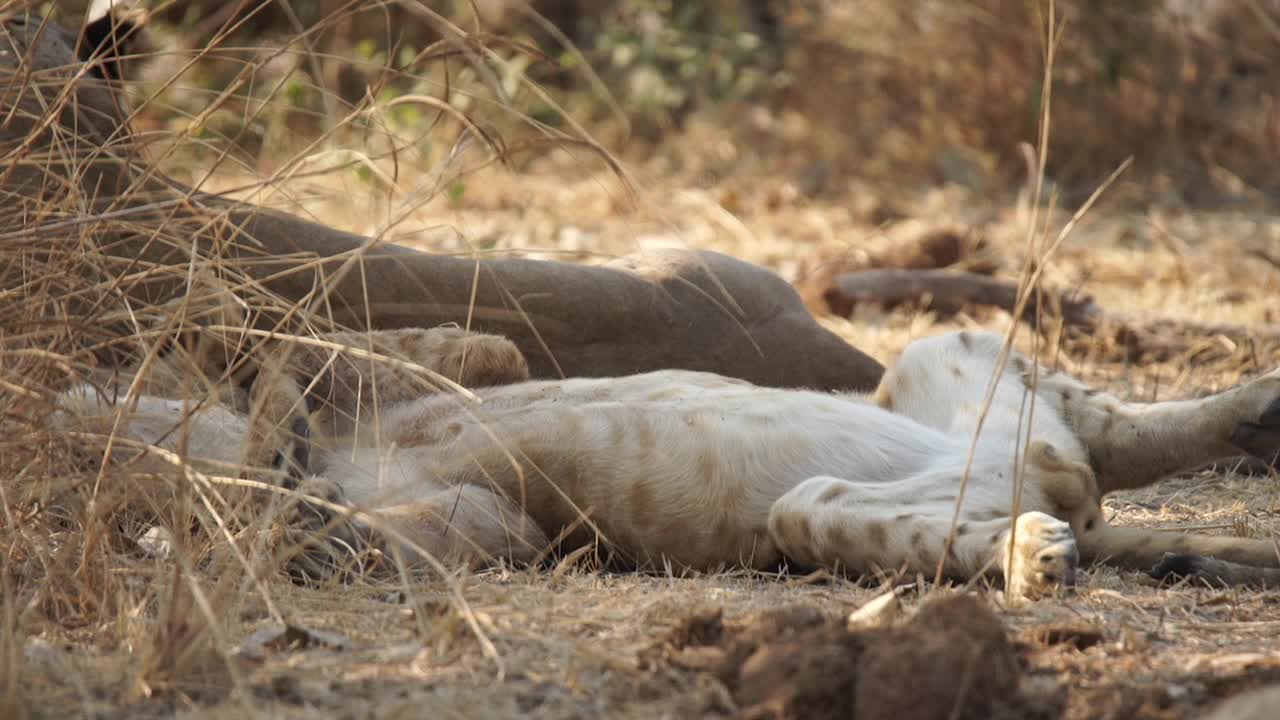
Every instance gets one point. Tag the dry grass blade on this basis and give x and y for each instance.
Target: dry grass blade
(120, 247)
(93, 235)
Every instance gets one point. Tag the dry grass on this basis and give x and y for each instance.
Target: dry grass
(91, 625)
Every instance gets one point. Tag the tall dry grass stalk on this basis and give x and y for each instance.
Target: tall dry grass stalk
(106, 263)
(1040, 248)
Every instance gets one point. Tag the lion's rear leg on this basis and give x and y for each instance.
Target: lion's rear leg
(944, 382)
(941, 381)
(1211, 570)
(827, 521)
(1142, 548)
(1135, 444)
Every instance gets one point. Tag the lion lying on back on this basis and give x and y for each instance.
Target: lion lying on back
(704, 472)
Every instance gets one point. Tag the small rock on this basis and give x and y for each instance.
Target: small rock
(1077, 636)
(41, 652)
(288, 638)
(157, 542)
(880, 611)
(1257, 704)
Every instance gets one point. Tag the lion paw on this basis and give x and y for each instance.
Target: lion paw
(1176, 567)
(477, 360)
(321, 539)
(1045, 556)
(1260, 436)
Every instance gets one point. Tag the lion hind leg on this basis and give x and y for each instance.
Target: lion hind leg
(940, 381)
(1214, 572)
(1142, 548)
(1135, 444)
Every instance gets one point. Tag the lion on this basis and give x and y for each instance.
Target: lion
(957, 461)
(651, 310)
(707, 419)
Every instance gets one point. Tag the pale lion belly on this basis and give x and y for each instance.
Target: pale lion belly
(686, 472)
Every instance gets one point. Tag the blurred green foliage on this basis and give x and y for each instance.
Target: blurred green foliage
(925, 89)
(666, 57)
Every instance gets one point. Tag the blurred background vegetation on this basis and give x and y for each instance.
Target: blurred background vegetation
(898, 93)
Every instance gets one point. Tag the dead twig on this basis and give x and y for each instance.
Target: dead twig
(947, 293)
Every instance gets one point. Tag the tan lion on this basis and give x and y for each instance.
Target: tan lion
(698, 469)
(701, 471)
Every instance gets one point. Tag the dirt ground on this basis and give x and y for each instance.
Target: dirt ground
(94, 625)
(576, 642)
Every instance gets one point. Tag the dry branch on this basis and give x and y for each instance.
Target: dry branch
(943, 247)
(947, 292)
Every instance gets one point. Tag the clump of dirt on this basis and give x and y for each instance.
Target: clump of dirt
(1074, 635)
(952, 660)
